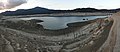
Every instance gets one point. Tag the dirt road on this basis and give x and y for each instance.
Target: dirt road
(117, 20)
(112, 44)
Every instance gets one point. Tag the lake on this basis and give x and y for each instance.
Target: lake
(55, 23)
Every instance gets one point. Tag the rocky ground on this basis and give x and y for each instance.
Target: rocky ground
(27, 36)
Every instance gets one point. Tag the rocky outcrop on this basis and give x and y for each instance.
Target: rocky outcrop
(7, 45)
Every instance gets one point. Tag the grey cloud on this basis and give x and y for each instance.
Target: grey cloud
(12, 4)
(1, 5)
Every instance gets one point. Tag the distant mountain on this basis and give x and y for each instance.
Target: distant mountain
(41, 10)
(36, 10)
(95, 10)
(86, 9)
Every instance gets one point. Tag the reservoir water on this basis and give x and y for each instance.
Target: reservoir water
(55, 23)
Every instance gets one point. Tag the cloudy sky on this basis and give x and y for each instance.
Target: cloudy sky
(58, 4)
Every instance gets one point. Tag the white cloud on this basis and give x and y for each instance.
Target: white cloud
(11, 3)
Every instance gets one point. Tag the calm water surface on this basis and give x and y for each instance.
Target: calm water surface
(55, 23)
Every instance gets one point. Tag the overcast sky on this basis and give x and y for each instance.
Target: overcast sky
(58, 4)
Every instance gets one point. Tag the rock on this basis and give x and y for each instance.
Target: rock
(83, 19)
(35, 20)
(91, 42)
(7, 47)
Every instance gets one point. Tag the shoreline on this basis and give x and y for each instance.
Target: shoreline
(64, 15)
(32, 26)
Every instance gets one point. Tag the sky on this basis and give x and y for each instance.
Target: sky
(6, 5)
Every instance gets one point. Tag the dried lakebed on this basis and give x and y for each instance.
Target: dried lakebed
(27, 36)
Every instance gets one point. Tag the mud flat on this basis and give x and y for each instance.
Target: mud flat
(27, 36)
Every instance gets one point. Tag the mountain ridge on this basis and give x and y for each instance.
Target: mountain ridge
(41, 10)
